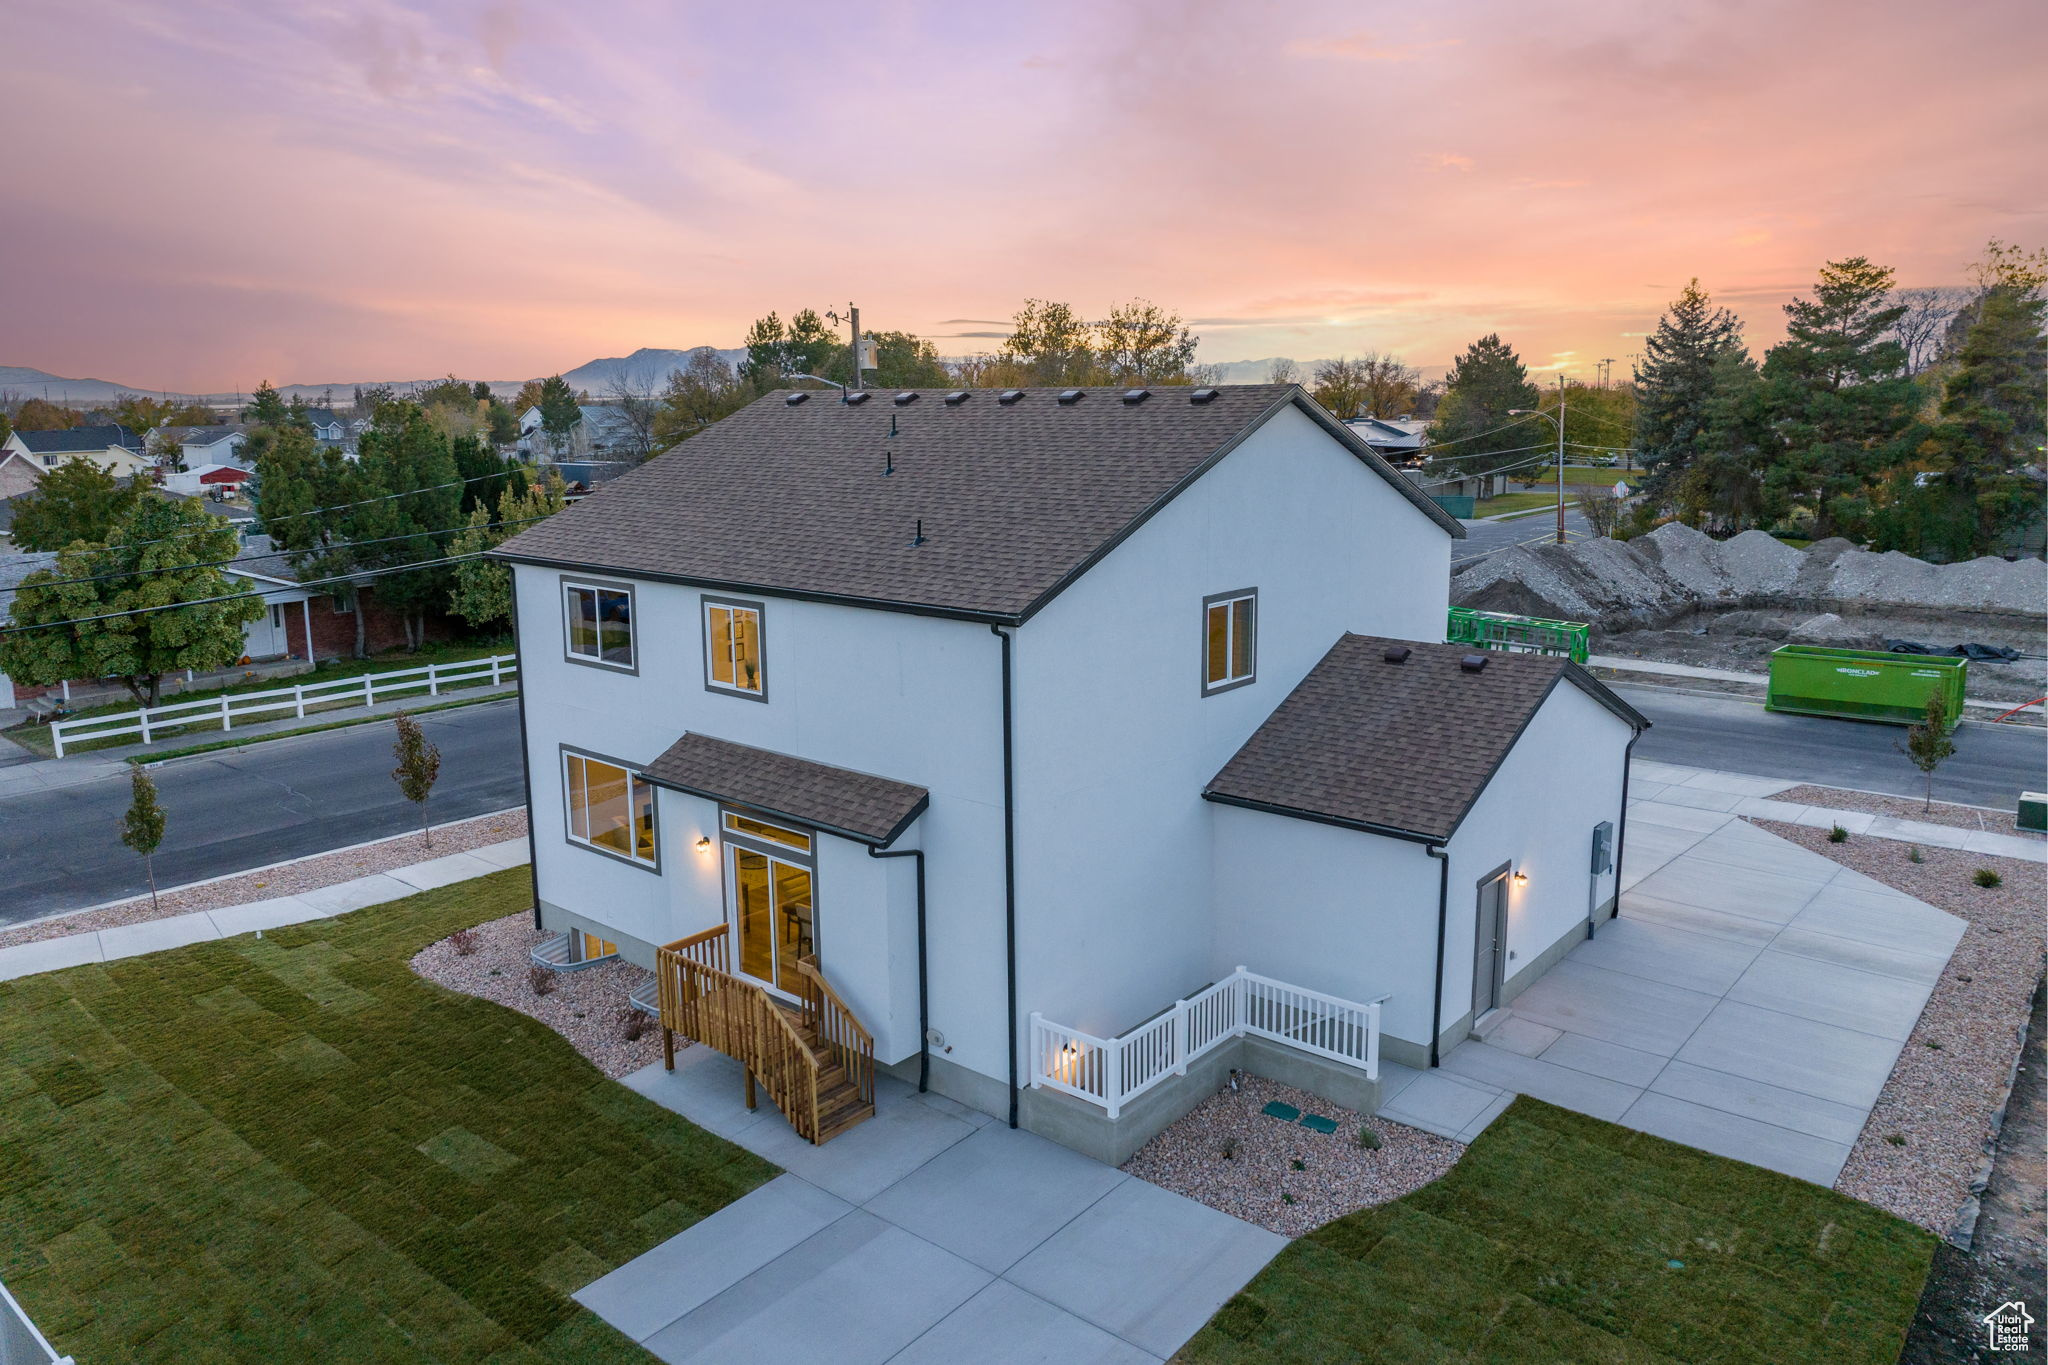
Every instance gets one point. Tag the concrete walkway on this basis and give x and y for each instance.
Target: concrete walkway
(1750, 1001)
(175, 931)
(929, 1234)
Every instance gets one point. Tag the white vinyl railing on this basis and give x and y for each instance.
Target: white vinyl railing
(20, 1342)
(365, 690)
(1113, 1071)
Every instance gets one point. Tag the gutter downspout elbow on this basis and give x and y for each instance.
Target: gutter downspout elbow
(924, 999)
(1009, 863)
(1443, 911)
(1621, 819)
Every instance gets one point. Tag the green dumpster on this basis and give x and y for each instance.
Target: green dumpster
(1517, 634)
(1864, 684)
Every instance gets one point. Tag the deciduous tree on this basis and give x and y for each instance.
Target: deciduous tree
(142, 824)
(419, 765)
(1142, 343)
(481, 591)
(39, 414)
(1051, 344)
(76, 501)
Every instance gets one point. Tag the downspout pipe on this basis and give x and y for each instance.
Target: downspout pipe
(1009, 862)
(525, 755)
(1621, 821)
(924, 1001)
(1443, 915)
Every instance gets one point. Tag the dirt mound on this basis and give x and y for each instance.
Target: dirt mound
(1894, 579)
(1600, 581)
(1758, 564)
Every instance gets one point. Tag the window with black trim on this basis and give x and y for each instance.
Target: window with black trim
(1230, 630)
(732, 647)
(597, 624)
(611, 808)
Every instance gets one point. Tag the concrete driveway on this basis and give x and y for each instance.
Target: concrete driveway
(927, 1235)
(1751, 1000)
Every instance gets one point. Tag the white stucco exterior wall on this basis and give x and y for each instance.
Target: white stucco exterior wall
(1115, 739)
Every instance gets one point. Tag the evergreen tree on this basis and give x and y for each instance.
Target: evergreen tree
(312, 501)
(1839, 396)
(1484, 385)
(76, 501)
(559, 412)
(405, 455)
(1675, 386)
(161, 554)
(1722, 484)
(266, 407)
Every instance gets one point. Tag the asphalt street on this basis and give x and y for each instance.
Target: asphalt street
(1991, 766)
(249, 807)
(1483, 538)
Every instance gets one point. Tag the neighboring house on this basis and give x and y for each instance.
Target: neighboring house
(330, 428)
(1119, 668)
(601, 433)
(112, 447)
(1397, 438)
(325, 613)
(215, 445)
(18, 472)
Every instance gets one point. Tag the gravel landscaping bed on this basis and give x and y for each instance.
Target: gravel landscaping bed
(307, 874)
(1906, 808)
(1337, 1175)
(1924, 1144)
(587, 1006)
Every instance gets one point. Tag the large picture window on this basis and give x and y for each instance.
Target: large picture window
(611, 808)
(732, 647)
(598, 623)
(1229, 639)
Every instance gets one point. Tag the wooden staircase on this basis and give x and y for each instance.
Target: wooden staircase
(813, 1057)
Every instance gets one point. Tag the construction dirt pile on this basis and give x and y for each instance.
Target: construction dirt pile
(1674, 571)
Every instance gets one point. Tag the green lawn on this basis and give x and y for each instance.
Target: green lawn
(295, 1149)
(1514, 502)
(1560, 1238)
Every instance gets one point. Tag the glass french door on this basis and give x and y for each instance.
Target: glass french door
(772, 912)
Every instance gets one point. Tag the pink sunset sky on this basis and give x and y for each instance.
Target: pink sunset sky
(206, 193)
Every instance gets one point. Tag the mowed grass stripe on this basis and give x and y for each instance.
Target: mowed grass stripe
(294, 1148)
(1554, 1239)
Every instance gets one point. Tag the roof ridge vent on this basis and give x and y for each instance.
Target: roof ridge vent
(1009, 396)
(1133, 397)
(956, 398)
(1200, 396)
(905, 399)
(1397, 654)
(795, 398)
(1473, 663)
(1069, 397)
(857, 397)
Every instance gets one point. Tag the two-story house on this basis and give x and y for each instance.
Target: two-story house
(1024, 720)
(110, 445)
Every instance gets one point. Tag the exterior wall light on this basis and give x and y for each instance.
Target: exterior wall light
(704, 844)
(1521, 878)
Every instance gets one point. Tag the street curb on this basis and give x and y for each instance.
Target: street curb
(309, 732)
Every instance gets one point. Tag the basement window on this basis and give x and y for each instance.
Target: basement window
(1229, 640)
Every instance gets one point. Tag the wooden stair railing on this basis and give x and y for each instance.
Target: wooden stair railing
(816, 1061)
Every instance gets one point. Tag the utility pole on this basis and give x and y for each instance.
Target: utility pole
(1560, 457)
(852, 320)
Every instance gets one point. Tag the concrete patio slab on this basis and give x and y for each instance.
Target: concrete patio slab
(1730, 1135)
(1693, 919)
(1440, 1101)
(1003, 1325)
(1887, 921)
(1832, 994)
(1659, 952)
(1755, 893)
(1924, 968)
(1576, 1090)
(1486, 1116)
(1611, 1061)
(1523, 1036)
(861, 1162)
(1784, 1050)
(996, 1195)
(1147, 1265)
(857, 1292)
(704, 1260)
(1770, 1104)
(1615, 1007)
(1670, 815)
(1699, 798)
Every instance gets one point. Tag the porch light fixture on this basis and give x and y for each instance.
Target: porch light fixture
(1521, 878)
(704, 844)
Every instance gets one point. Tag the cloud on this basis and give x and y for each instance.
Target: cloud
(1362, 47)
(1447, 161)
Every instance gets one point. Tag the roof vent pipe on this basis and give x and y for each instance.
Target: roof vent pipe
(1398, 654)
(917, 537)
(1473, 663)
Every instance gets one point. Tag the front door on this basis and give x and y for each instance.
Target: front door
(1490, 944)
(772, 901)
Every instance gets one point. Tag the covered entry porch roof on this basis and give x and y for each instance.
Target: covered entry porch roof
(853, 805)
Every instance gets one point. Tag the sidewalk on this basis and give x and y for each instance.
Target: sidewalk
(51, 774)
(175, 931)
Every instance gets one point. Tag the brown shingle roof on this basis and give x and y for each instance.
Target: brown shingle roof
(1403, 748)
(1015, 500)
(873, 810)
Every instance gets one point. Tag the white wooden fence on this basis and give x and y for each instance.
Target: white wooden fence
(1113, 1071)
(20, 1342)
(366, 690)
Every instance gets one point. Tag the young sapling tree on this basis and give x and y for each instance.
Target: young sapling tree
(419, 763)
(142, 827)
(1928, 744)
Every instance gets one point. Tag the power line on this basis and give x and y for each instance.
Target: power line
(249, 559)
(1455, 440)
(259, 594)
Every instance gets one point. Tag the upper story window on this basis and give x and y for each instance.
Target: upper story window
(732, 648)
(611, 808)
(598, 623)
(1230, 639)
